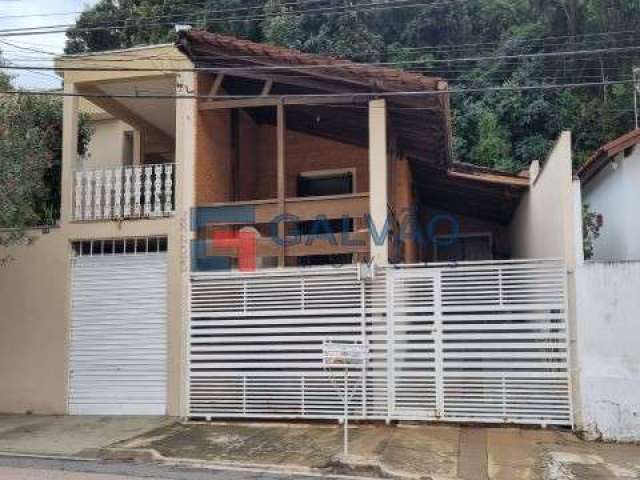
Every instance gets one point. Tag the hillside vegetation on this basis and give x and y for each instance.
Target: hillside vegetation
(518, 61)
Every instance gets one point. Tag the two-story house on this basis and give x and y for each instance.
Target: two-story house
(242, 203)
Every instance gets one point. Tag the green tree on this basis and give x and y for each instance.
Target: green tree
(492, 148)
(30, 162)
(425, 38)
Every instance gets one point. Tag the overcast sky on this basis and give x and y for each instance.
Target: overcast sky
(51, 42)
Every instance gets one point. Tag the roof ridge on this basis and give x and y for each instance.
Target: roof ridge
(378, 75)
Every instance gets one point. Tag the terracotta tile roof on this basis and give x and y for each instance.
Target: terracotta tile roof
(195, 43)
(600, 158)
(490, 175)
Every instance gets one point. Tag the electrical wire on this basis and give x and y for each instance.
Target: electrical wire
(375, 6)
(354, 96)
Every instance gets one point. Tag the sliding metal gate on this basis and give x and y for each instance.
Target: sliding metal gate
(481, 342)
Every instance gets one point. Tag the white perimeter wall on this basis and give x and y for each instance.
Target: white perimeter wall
(542, 226)
(608, 303)
(615, 193)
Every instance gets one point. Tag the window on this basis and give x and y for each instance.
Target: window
(119, 246)
(326, 182)
(459, 248)
(128, 148)
(321, 183)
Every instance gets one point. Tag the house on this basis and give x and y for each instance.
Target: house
(242, 203)
(607, 288)
(610, 180)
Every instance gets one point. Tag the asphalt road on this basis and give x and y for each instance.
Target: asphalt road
(28, 468)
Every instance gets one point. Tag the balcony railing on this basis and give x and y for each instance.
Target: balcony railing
(302, 209)
(144, 191)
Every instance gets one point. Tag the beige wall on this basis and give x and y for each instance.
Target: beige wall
(541, 227)
(548, 224)
(35, 286)
(33, 306)
(35, 311)
(107, 145)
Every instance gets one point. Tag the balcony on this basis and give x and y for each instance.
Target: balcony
(124, 192)
(297, 243)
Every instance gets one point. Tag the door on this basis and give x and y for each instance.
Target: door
(415, 340)
(118, 344)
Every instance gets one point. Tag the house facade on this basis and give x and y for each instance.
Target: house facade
(240, 204)
(609, 183)
(607, 302)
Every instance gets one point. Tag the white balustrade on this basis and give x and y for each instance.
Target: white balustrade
(147, 191)
(97, 197)
(137, 191)
(124, 192)
(108, 193)
(168, 187)
(127, 192)
(157, 186)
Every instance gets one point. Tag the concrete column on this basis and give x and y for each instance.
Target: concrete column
(403, 205)
(378, 181)
(180, 243)
(69, 150)
(281, 175)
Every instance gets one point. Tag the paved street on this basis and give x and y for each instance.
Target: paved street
(34, 474)
(23, 468)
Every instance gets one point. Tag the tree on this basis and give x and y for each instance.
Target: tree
(592, 223)
(492, 148)
(30, 162)
(425, 38)
(24, 162)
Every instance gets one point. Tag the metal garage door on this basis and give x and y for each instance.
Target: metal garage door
(118, 353)
(471, 342)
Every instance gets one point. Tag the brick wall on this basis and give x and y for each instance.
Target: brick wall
(213, 160)
(258, 157)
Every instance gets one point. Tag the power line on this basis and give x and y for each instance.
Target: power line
(436, 49)
(225, 10)
(336, 65)
(354, 95)
(389, 4)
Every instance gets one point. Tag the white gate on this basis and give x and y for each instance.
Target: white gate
(118, 351)
(481, 342)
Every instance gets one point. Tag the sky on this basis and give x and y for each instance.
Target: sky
(53, 43)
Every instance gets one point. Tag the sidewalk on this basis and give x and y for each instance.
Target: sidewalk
(438, 452)
(58, 435)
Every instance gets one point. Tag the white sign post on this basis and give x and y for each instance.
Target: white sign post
(342, 355)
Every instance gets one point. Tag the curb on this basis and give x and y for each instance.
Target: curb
(152, 456)
(37, 456)
(124, 456)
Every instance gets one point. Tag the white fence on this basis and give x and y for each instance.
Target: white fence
(608, 323)
(481, 342)
(124, 192)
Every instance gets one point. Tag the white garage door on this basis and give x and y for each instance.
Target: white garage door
(118, 355)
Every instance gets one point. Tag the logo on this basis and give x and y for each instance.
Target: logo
(228, 238)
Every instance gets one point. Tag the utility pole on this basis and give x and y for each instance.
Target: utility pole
(636, 92)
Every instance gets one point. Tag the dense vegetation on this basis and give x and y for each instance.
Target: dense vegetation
(506, 129)
(30, 159)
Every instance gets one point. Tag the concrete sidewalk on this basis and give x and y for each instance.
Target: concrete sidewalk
(69, 436)
(435, 452)
(438, 452)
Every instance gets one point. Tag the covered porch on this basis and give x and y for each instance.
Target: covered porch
(312, 150)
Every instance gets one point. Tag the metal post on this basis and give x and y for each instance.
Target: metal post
(346, 412)
(636, 90)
